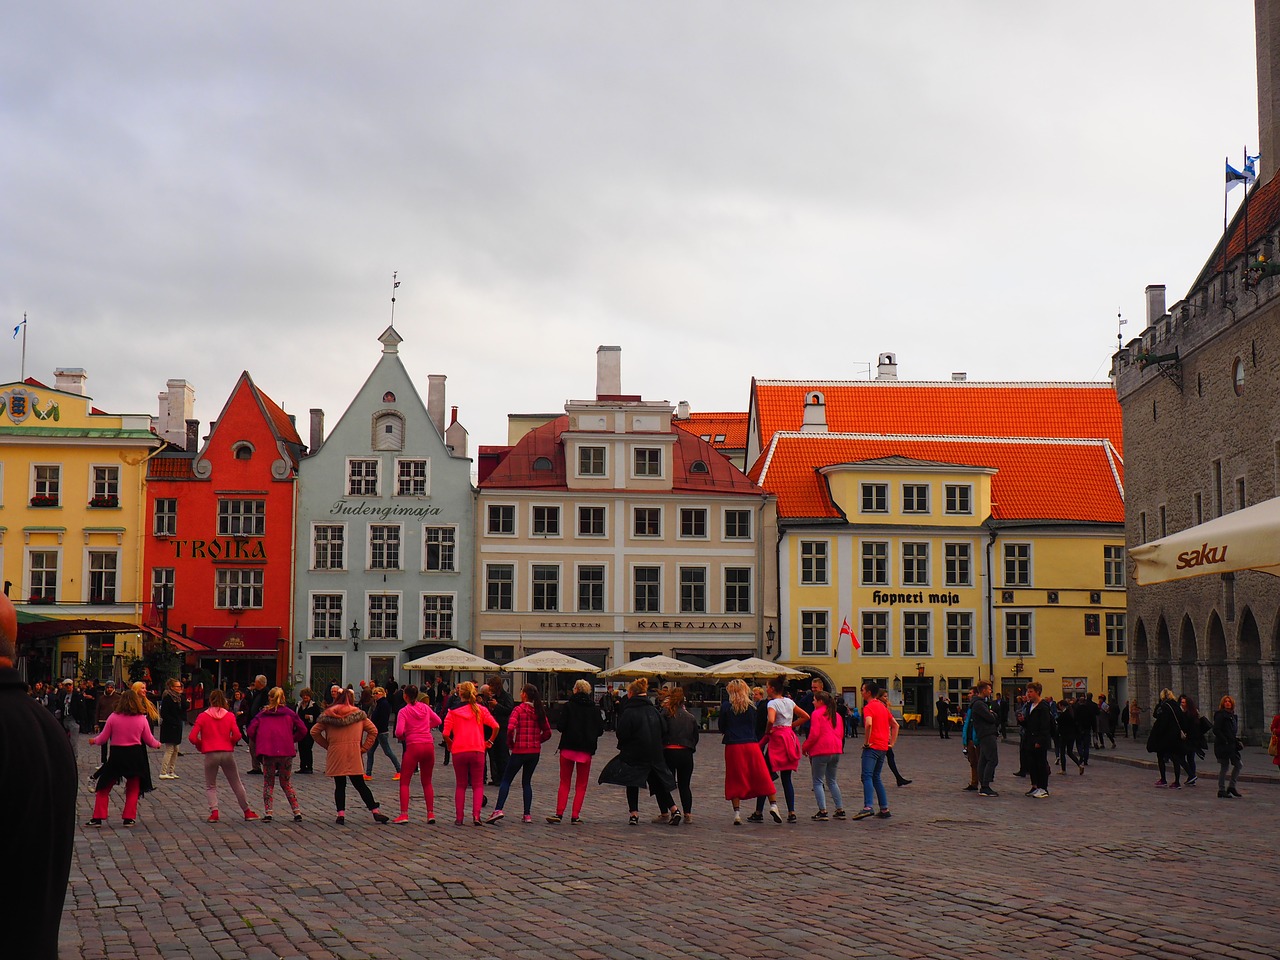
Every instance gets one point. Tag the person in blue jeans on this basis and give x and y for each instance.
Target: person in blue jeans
(881, 731)
(380, 714)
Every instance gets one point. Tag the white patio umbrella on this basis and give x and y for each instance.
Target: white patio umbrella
(452, 659)
(654, 667)
(1248, 539)
(550, 661)
(749, 668)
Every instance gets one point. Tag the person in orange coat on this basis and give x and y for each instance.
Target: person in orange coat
(347, 733)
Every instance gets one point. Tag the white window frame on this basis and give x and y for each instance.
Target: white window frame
(680, 585)
(886, 560)
(947, 561)
(89, 554)
(693, 511)
(399, 542)
(559, 569)
(956, 492)
(813, 641)
(1113, 566)
(169, 528)
(511, 584)
(1029, 559)
(368, 614)
(488, 519)
(661, 578)
(546, 509)
(750, 588)
(886, 642)
(443, 635)
(111, 488)
(37, 485)
(724, 525)
(863, 488)
(603, 584)
(947, 628)
(452, 530)
(27, 570)
(928, 628)
(604, 461)
(1006, 614)
(413, 481)
(312, 596)
(662, 463)
(256, 588)
(239, 522)
(915, 510)
(169, 584)
(1117, 633)
(315, 526)
(662, 521)
(927, 579)
(577, 521)
(816, 577)
(347, 479)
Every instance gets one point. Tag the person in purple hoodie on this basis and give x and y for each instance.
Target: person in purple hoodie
(275, 731)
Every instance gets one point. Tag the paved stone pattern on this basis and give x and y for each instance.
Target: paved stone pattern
(1107, 868)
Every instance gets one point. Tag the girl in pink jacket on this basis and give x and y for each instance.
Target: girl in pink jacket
(215, 733)
(413, 729)
(823, 747)
(127, 729)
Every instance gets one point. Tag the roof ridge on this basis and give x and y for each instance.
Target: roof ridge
(959, 384)
(937, 438)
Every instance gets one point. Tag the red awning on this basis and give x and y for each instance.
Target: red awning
(245, 641)
(185, 644)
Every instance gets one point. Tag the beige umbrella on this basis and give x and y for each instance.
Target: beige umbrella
(550, 661)
(749, 668)
(1248, 539)
(654, 667)
(452, 659)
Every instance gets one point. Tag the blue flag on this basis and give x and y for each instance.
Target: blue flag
(1234, 177)
(1251, 169)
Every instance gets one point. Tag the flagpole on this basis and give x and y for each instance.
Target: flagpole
(1246, 213)
(1226, 189)
(22, 375)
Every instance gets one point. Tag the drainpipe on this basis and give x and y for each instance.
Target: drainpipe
(991, 637)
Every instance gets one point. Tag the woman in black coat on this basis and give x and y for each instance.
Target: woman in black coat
(1226, 746)
(173, 712)
(580, 727)
(640, 760)
(1168, 737)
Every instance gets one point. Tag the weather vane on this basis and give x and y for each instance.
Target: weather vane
(1120, 322)
(394, 285)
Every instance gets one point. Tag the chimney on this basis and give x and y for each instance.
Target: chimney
(69, 379)
(959, 376)
(456, 436)
(682, 410)
(317, 428)
(1266, 22)
(177, 405)
(193, 436)
(435, 401)
(887, 367)
(1155, 303)
(608, 372)
(815, 413)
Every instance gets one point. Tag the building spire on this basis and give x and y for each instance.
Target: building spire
(394, 286)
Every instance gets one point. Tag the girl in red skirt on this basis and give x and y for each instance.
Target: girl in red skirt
(745, 774)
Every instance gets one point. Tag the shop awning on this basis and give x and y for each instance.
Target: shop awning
(48, 628)
(183, 643)
(1245, 540)
(245, 641)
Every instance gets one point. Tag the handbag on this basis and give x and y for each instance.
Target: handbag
(1273, 747)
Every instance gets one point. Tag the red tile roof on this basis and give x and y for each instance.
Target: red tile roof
(956, 408)
(516, 471)
(170, 468)
(731, 426)
(1264, 214)
(1046, 479)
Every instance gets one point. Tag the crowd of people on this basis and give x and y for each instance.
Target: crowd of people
(492, 738)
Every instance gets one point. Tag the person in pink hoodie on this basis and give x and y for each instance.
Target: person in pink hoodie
(215, 733)
(126, 730)
(469, 730)
(823, 747)
(413, 728)
(274, 731)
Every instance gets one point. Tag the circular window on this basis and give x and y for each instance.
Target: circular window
(1237, 376)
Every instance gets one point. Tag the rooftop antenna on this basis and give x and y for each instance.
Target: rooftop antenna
(394, 285)
(1120, 322)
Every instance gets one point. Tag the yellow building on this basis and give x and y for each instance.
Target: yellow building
(951, 557)
(71, 501)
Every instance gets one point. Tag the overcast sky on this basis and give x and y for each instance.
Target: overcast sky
(724, 189)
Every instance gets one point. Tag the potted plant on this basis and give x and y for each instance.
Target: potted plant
(44, 500)
(44, 598)
(105, 501)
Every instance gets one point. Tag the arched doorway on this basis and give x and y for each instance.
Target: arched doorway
(1249, 649)
(1187, 676)
(1139, 677)
(1216, 654)
(1164, 656)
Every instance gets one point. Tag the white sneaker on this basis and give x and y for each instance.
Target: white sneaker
(1041, 794)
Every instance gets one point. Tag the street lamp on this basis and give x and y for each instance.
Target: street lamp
(769, 634)
(355, 636)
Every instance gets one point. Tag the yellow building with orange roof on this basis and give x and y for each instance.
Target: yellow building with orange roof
(994, 549)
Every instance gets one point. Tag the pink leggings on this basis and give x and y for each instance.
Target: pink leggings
(566, 772)
(422, 758)
(468, 768)
(132, 790)
(225, 761)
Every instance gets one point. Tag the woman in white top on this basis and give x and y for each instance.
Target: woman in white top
(784, 748)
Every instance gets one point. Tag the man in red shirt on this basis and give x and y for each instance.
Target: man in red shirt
(881, 734)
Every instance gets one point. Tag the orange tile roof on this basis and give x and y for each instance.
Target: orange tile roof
(170, 468)
(1036, 479)
(731, 426)
(516, 471)
(956, 408)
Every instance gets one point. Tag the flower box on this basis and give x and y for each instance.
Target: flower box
(41, 600)
(105, 502)
(44, 501)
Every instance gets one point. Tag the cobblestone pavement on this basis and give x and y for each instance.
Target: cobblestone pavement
(1108, 867)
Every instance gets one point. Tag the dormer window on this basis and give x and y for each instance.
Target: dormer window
(242, 450)
(699, 466)
(542, 464)
(388, 431)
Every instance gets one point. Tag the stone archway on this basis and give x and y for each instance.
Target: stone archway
(1164, 657)
(1215, 652)
(1139, 660)
(1186, 675)
(1249, 657)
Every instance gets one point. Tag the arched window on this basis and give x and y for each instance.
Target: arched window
(388, 431)
(542, 463)
(699, 466)
(242, 450)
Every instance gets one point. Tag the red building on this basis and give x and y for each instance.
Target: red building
(218, 553)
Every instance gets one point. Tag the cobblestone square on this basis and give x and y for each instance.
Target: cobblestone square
(1108, 867)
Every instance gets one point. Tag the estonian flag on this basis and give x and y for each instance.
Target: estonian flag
(1251, 169)
(1234, 177)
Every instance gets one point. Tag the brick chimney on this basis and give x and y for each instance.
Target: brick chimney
(1266, 19)
(70, 379)
(608, 372)
(1155, 303)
